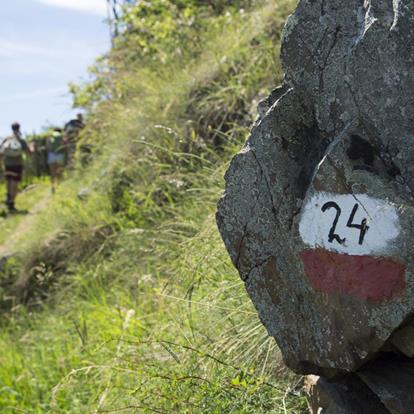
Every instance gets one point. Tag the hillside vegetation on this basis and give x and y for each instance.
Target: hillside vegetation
(121, 296)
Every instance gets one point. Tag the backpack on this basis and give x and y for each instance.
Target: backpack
(11, 147)
(73, 126)
(56, 143)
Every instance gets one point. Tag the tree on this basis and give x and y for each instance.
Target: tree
(115, 8)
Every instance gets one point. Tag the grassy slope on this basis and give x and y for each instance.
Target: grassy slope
(134, 304)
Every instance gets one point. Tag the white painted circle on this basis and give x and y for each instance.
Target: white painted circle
(365, 225)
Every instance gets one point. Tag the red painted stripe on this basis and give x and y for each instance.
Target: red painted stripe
(373, 279)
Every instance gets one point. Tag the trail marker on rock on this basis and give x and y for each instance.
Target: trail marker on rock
(318, 212)
(349, 223)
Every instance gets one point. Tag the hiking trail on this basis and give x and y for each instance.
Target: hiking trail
(7, 248)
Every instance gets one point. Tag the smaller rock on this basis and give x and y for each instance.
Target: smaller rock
(348, 395)
(392, 380)
(84, 193)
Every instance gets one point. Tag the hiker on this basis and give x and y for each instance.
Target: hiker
(12, 150)
(56, 148)
(72, 130)
(75, 124)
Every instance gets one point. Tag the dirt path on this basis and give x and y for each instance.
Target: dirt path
(20, 231)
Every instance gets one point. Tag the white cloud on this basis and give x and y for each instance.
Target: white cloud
(90, 6)
(26, 49)
(11, 49)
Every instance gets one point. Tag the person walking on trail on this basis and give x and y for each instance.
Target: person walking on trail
(12, 150)
(72, 130)
(56, 148)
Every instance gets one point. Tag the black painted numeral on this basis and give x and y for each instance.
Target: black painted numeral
(363, 227)
(332, 235)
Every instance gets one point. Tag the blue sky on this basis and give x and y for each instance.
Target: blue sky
(44, 44)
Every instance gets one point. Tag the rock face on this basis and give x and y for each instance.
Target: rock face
(318, 212)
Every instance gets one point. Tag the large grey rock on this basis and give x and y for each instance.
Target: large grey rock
(318, 210)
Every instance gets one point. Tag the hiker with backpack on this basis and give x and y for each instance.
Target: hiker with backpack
(56, 147)
(71, 131)
(12, 150)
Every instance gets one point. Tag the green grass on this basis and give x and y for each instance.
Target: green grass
(131, 302)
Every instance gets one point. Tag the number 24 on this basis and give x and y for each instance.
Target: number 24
(363, 227)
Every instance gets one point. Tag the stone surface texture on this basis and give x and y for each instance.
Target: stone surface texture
(333, 142)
